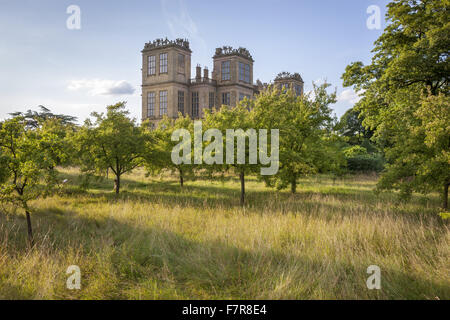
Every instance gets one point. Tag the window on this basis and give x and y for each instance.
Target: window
(181, 63)
(181, 102)
(242, 96)
(226, 70)
(244, 72)
(285, 86)
(162, 102)
(212, 97)
(151, 65)
(226, 98)
(163, 63)
(298, 90)
(150, 104)
(194, 104)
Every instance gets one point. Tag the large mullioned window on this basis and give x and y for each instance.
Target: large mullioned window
(181, 63)
(244, 72)
(195, 103)
(150, 104)
(162, 102)
(212, 97)
(226, 100)
(181, 102)
(151, 65)
(226, 70)
(163, 63)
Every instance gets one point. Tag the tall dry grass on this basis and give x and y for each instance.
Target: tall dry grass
(156, 241)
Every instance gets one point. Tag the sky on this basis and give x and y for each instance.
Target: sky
(78, 71)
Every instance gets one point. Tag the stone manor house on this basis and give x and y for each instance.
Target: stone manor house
(167, 86)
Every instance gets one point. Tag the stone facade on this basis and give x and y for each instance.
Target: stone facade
(167, 86)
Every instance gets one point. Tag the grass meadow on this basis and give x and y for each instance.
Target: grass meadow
(158, 241)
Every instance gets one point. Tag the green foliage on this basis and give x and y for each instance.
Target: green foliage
(28, 156)
(239, 117)
(34, 119)
(159, 145)
(307, 145)
(113, 142)
(445, 215)
(355, 151)
(365, 163)
(350, 125)
(405, 98)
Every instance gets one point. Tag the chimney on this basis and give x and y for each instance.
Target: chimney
(198, 73)
(205, 73)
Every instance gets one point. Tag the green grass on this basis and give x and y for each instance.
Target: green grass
(156, 241)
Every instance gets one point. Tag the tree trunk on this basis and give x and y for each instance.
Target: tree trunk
(445, 197)
(117, 184)
(242, 178)
(181, 177)
(30, 230)
(294, 184)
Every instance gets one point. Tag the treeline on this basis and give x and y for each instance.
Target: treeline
(33, 144)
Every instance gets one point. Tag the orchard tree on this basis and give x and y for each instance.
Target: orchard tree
(409, 73)
(112, 142)
(304, 125)
(159, 146)
(239, 123)
(28, 157)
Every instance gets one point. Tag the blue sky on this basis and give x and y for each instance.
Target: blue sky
(80, 71)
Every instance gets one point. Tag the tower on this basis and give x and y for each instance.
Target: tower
(166, 72)
(287, 80)
(233, 73)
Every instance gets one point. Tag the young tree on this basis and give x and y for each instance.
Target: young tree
(227, 118)
(409, 69)
(113, 142)
(28, 157)
(305, 137)
(159, 146)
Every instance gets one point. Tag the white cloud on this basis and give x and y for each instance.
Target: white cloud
(348, 96)
(97, 87)
(180, 23)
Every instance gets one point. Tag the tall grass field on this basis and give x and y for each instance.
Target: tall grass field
(157, 240)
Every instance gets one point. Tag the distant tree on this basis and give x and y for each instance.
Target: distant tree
(28, 157)
(405, 96)
(305, 132)
(350, 125)
(34, 118)
(113, 142)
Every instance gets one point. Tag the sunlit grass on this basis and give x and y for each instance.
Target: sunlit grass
(158, 241)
